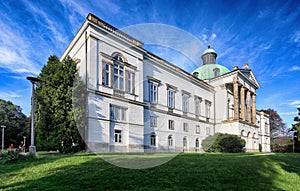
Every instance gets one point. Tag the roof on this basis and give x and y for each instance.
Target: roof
(208, 71)
(209, 50)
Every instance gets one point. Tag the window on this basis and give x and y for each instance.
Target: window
(153, 121)
(197, 143)
(170, 141)
(118, 76)
(216, 72)
(130, 82)
(185, 103)
(153, 140)
(197, 106)
(171, 98)
(197, 129)
(117, 113)
(153, 92)
(207, 131)
(184, 142)
(207, 109)
(118, 57)
(171, 124)
(266, 128)
(106, 74)
(118, 136)
(185, 127)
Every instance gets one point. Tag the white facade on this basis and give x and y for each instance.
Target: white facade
(138, 102)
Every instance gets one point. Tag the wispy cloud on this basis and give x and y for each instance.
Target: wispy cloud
(295, 103)
(14, 51)
(296, 38)
(291, 113)
(295, 68)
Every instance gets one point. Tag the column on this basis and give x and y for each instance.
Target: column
(254, 109)
(248, 107)
(242, 103)
(236, 98)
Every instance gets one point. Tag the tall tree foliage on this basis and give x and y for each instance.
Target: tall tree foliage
(16, 122)
(277, 127)
(296, 129)
(56, 125)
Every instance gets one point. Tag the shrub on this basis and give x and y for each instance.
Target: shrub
(223, 143)
(13, 156)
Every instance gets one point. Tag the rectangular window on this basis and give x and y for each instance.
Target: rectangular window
(118, 76)
(153, 121)
(197, 106)
(106, 74)
(185, 127)
(118, 136)
(197, 129)
(171, 124)
(185, 103)
(207, 131)
(207, 109)
(153, 92)
(266, 128)
(152, 140)
(130, 81)
(117, 113)
(171, 98)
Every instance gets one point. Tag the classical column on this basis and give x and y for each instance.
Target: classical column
(243, 103)
(254, 109)
(236, 98)
(248, 107)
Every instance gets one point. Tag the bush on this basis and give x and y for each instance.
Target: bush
(223, 143)
(13, 156)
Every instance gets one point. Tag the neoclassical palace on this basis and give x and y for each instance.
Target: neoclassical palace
(139, 102)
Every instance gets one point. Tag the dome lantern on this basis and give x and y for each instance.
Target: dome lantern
(209, 56)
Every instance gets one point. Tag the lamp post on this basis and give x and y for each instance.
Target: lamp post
(32, 148)
(3, 126)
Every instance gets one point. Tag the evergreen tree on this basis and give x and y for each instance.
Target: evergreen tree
(56, 127)
(296, 129)
(16, 122)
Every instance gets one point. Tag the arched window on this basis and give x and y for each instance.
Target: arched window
(184, 142)
(119, 57)
(216, 72)
(197, 143)
(242, 133)
(153, 140)
(170, 141)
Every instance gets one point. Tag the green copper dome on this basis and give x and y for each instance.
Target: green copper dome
(209, 71)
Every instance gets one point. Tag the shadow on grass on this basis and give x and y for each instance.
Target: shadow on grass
(184, 172)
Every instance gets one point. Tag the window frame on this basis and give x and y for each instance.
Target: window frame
(118, 136)
(171, 98)
(152, 140)
(117, 113)
(185, 103)
(171, 125)
(197, 129)
(153, 121)
(185, 127)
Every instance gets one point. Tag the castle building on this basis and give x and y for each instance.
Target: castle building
(139, 102)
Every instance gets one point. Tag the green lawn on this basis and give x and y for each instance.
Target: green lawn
(86, 171)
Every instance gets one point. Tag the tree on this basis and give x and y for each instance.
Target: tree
(16, 122)
(56, 126)
(296, 130)
(277, 127)
(223, 143)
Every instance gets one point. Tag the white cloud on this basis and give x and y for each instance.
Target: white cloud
(14, 51)
(296, 38)
(295, 68)
(289, 113)
(295, 103)
(212, 37)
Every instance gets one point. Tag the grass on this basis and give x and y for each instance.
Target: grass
(86, 171)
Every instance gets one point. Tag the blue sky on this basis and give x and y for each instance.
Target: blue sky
(264, 33)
